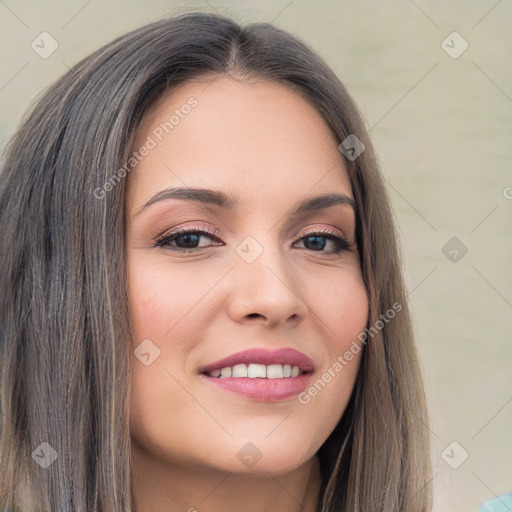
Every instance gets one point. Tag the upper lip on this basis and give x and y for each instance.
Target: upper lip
(263, 356)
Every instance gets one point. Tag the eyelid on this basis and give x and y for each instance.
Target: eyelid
(343, 243)
(216, 233)
(338, 235)
(327, 230)
(175, 232)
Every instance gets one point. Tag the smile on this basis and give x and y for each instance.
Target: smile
(261, 374)
(257, 371)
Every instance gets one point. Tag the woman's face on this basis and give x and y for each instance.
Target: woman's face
(261, 279)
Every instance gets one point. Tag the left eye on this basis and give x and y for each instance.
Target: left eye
(317, 241)
(188, 241)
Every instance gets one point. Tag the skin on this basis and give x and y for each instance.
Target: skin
(266, 144)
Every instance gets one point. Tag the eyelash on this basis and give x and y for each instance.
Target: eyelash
(164, 240)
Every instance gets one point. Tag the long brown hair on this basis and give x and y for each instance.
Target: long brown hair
(64, 323)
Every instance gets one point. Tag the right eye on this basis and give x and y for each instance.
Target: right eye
(186, 240)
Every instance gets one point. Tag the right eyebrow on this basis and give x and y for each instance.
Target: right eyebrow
(202, 195)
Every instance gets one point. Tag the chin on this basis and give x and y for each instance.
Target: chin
(259, 458)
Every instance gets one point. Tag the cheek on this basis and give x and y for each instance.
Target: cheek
(162, 310)
(160, 301)
(340, 305)
(341, 310)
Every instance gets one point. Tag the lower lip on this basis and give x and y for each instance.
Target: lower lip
(262, 389)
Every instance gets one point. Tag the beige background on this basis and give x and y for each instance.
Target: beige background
(443, 129)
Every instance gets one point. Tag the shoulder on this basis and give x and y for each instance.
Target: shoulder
(498, 504)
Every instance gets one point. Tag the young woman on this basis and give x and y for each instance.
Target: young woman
(202, 302)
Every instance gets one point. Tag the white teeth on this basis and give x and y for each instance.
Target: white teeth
(275, 371)
(225, 372)
(239, 370)
(257, 371)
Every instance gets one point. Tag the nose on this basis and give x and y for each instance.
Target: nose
(264, 291)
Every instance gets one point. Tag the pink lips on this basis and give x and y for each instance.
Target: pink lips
(262, 388)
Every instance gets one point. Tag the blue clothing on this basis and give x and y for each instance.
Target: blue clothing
(500, 504)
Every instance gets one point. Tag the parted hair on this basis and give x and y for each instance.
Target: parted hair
(64, 318)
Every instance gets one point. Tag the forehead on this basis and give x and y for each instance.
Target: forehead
(258, 138)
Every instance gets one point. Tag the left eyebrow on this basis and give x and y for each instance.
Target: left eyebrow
(321, 202)
(222, 200)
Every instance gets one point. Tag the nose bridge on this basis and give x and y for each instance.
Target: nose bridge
(262, 258)
(264, 284)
